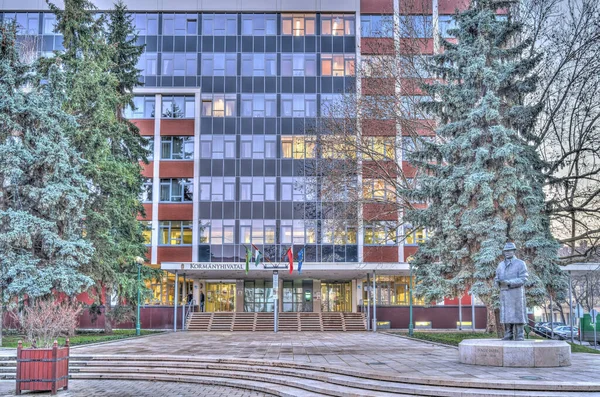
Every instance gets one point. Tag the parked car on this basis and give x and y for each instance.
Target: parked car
(564, 332)
(545, 329)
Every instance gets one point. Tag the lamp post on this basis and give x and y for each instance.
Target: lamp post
(140, 261)
(410, 299)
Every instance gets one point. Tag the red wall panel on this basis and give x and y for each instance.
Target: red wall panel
(148, 211)
(380, 254)
(148, 169)
(380, 211)
(376, 45)
(174, 254)
(441, 317)
(378, 127)
(176, 169)
(146, 126)
(446, 7)
(376, 6)
(174, 212)
(177, 127)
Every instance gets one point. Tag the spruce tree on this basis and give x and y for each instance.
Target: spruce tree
(101, 72)
(42, 191)
(484, 182)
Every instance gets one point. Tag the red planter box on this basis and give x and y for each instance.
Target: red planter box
(43, 369)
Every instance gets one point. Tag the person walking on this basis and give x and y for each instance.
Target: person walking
(201, 301)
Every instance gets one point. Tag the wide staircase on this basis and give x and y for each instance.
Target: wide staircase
(295, 379)
(296, 321)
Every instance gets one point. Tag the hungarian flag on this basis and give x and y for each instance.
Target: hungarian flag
(257, 255)
(290, 256)
(248, 256)
(300, 260)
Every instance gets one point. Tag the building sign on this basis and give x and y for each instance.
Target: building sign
(215, 266)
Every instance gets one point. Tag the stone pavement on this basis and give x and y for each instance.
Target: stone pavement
(360, 350)
(125, 388)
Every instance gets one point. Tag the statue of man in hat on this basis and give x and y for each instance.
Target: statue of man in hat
(511, 276)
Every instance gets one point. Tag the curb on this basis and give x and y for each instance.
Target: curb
(420, 340)
(115, 340)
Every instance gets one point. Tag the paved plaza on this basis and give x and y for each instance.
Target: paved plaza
(360, 350)
(126, 388)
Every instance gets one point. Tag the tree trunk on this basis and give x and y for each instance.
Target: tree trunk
(108, 311)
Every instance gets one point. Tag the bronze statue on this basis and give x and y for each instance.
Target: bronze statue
(511, 276)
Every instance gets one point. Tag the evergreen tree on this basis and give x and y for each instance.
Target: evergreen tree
(484, 182)
(101, 72)
(42, 191)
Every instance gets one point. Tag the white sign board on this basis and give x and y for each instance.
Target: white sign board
(593, 314)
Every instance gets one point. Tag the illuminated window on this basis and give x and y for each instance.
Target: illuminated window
(175, 232)
(337, 25)
(379, 147)
(298, 24)
(381, 233)
(337, 232)
(414, 237)
(218, 105)
(147, 232)
(378, 190)
(298, 147)
(176, 190)
(337, 64)
(337, 147)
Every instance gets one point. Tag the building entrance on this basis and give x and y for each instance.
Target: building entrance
(220, 297)
(336, 296)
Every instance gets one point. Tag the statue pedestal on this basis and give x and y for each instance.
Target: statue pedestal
(528, 353)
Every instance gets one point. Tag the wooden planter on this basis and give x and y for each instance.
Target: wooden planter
(43, 369)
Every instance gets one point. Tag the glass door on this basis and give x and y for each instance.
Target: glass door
(336, 297)
(220, 297)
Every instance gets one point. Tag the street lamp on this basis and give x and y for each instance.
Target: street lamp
(140, 261)
(410, 299)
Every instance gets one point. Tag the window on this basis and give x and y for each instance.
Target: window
(257, 231)
(410, 143)
(298, 105)
(378, 65)
(298, 24)
(146, 196)
(143, 108)
(376, 26)
(446, 23)
(27, 23)
(217, 188)
(298, 64)
(381, 233)
(177, 148)
(379, 147)
(337, 25)
(298, 147)
(218, 105)
(254, 188)
(259, 24)
(147, 63)
(177, 107)
(335, 231)
(149, 146)
(259, 64)
(147, 232)
(378, 190)
(218, 231)
(333, 105)
(332, 190)
(179, 64)
(49, 23)
(177, 190)
(219, 64)
(411, 106)
(258, 146)
(180, 24)
(297, 231)
(219, 24)
(217, 146)
(415, 66)
(258, 105)
(414, 237)
(175, 232)
(146, 24)
(416, 26)
(337, 64)
(298, 189)
(337, 147)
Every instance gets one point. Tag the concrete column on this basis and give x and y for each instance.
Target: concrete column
(196, 188)
(317, 296)
(355, 295)
(198, 286)
(156, 179)
(239, 296)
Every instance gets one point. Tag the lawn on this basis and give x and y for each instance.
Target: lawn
(80, 338)
(454, 338)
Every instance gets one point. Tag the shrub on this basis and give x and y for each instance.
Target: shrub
(46, 320)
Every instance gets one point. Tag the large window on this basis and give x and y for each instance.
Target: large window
(298, 231)
(27, 23)
(257, 231)
(298, 24)
(378, 65)
(298, 64)
(336, 231)
(146, 196)
(259, 105)
(177, 107)
(414, 237)
(259, 24)
(147, 232)
(258, 147)
(177, 148)
(298, 189)
(298, 147)
(378, 190)
(333, 105)
(177, 190)
(381, 233)
(49, 23)
(219, 64)
(258, 295)
(143, 108)
(218, 105)
(147, 63)
(217, 188)
(376, 26)
(337, 64)
(298, 105)
(259, 65)
(257, 188)
(217, 146)
(446, 23)
(416, 26)
(180, 24)
(146, 24)
(337, 25)
(217, 231)
(179, 64)
(379, 147)
(219, 24)
(175, 233)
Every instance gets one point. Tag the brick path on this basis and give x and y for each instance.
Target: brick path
(122, 388)
(366, 350)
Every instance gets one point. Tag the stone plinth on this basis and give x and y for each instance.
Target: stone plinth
(527, 353)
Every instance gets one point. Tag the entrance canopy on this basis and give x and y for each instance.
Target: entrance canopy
(318, 271)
